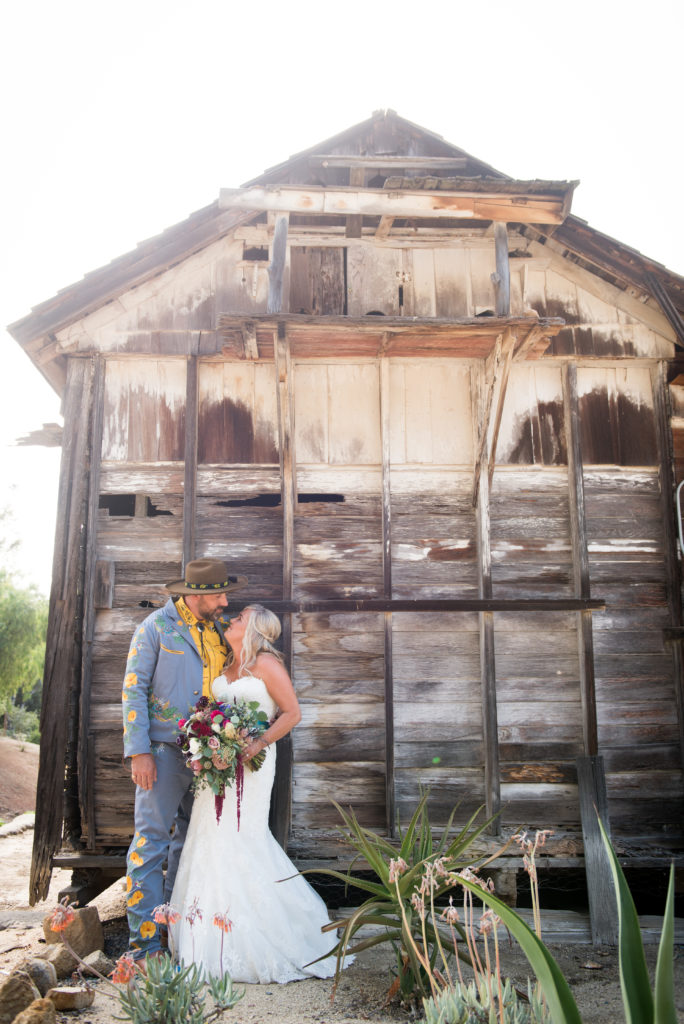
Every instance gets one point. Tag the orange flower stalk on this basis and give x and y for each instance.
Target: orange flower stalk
(124, 970)
(62, 916)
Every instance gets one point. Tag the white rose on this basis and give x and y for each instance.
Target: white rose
(195, 746)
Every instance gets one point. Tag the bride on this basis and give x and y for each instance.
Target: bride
(236, 915)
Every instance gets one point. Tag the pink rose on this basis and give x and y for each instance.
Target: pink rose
(196, 766)
(213, 742)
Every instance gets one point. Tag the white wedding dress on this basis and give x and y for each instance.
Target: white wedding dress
(276, 925)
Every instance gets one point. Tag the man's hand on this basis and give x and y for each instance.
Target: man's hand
(144, 770)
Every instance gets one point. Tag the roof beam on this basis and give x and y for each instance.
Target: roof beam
(381, 162)
(514, 207)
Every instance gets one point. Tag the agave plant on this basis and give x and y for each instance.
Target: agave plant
(390, 903)
(641, 1005)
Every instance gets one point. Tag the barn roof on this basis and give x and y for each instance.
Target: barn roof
(405, 154)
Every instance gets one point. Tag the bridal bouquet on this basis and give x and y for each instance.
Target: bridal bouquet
(212, 739)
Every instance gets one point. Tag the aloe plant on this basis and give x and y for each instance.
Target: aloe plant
(389, 902)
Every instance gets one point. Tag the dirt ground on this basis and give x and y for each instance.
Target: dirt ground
(361, 994)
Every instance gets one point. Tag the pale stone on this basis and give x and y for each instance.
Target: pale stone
(84, 934)
(71, 997)
(99, 962)
(16, 993)
(61, 959)
(40, 1011)
(42, 973)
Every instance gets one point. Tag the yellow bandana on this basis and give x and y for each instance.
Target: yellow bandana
(209, 644)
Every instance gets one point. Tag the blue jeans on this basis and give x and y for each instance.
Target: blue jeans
(157, 810)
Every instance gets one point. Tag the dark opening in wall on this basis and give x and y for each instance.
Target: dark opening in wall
(152, 510)
(273, 500)
(118, 504)
(256, 254)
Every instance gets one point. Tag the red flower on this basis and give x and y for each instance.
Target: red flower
(181, 723)
(124, 969)
(202, 729)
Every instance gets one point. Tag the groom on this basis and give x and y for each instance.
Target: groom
(175, 654)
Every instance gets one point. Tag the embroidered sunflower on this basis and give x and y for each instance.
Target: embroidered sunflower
(135, 858)
(147, 929)
(135, 898)
(141, 841)
(130, 679)
(132, 715)
(129, 883)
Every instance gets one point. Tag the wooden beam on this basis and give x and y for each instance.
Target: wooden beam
(410, 163)
(513, 207)
(508, 347)
(249, 340)
(580, 558)
(351, 605)
(387, 591)
(672, 566)
(281, 799)
(384, 227)
(354, 223)
(86, 765)
(492, 781)
(190, 457)
(276, 268)
(54, 800)
(593, 802)
(501, 279)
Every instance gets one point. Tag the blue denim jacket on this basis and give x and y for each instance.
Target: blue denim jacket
(163, 680)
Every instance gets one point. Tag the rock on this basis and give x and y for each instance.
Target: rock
(40, 1011)
(16, 993)
(111, 903)
(42, 973)
(61, 959)
(71, 997)
(84, 934)
(99, 962)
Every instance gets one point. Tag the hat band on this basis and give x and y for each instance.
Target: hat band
(211, 586)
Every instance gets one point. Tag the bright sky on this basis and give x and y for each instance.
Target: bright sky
(121, 119)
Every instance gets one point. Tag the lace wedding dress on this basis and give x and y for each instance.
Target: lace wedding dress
(276, 925)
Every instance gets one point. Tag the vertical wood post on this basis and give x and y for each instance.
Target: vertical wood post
(190, 455)
(276, 269)
(672, 571)
(56, 792)
(387, 591)
(501, 279)
(591, 780)
(580, 558)
(594, 804)
(282, 788)
(86, 766)
(486, 620)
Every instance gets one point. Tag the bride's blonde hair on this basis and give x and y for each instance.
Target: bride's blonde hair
(262, 630)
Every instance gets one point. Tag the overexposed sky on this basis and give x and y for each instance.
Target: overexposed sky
(118, 120)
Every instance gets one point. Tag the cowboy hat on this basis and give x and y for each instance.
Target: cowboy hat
(207, 576)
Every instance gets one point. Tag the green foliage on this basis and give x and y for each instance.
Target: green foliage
(170, 995)
(640, 1006)
(398, 871)
(473, 1004)
(23, 628)
(20, 722)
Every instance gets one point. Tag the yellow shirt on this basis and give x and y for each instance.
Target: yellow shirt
(209, 644)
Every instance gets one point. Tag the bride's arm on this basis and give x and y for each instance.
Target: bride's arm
(281, 690)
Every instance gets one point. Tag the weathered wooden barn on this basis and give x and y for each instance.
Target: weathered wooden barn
(425, 409)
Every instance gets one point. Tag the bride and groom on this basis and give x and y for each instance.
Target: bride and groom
(235, 901)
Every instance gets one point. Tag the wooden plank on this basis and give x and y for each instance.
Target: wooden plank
(578, 533)
(508, 347)
(385, 439)
(594, 804)
(276, 269)
(103, 585)
(487, 657)
(86, 782)
(56, 806)
(190, 462)
(354, 222)
(672, 570)
(519, 207)
(501, 279)
(282, 789)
